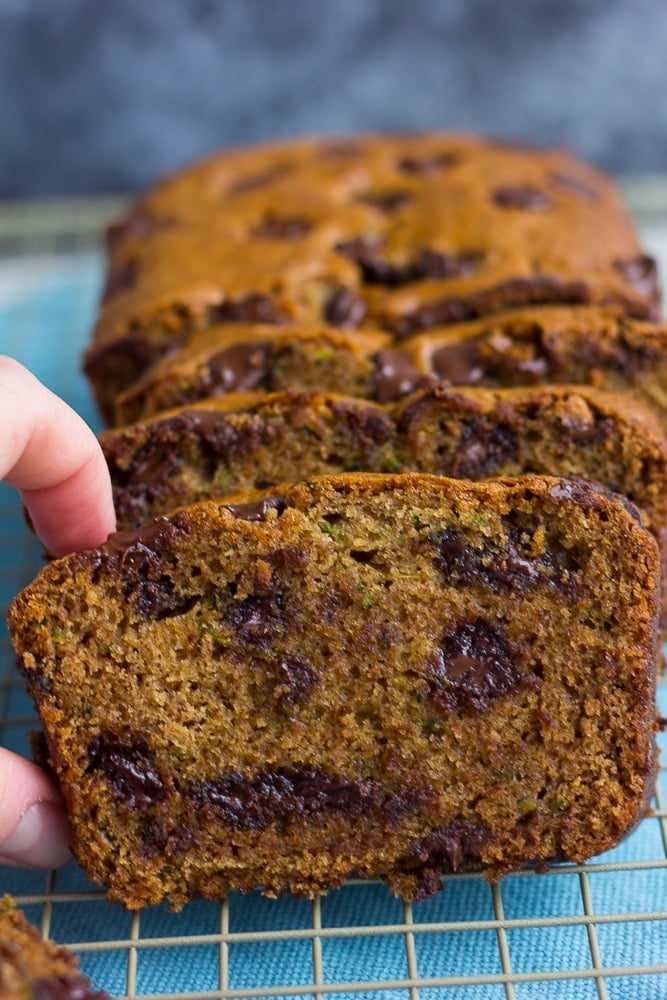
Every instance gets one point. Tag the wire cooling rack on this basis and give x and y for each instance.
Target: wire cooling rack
(581, 931)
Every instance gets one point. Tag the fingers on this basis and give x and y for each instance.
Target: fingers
(33, 828)
(53, 458)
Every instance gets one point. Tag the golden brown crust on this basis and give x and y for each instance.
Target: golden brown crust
(400, 233)
(484, 654)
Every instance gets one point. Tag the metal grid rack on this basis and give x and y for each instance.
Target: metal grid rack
(597, 930)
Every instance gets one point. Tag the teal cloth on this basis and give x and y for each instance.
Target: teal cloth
(46, 311)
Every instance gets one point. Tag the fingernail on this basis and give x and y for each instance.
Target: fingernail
(40, 840)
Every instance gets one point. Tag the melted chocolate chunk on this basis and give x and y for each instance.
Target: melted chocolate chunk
(537, 290)
(120, 278)
(257, 619)
(286, 228)
(239, 368)
(252, 309)
(460, 841)
(157, 460)
(458, 363)
(475, 665)
(618, 355)
(500, 567)
(580, 432)
(459, 844)
(256, 510)
(137, 226)
(220, 438)
(73, 986)
(434, 163)
(345, 309)
(159, 836)
(642, 273)
(120, 363)
(294, 794)
(296, 679)
(140, 552)
(428, 264)
(367, 427)
(142, 557)
(522, 196)
(386, 201)
(128, 767)
(484, 445)
(394, 376)
(583, 492)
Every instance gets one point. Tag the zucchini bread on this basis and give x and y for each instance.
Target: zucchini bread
(478, 691)
(396, 233)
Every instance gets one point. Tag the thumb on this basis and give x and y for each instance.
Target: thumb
(33, 828)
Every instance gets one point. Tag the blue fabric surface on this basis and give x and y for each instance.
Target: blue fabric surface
(46, 309)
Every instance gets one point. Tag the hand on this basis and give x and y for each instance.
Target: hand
(52, 457)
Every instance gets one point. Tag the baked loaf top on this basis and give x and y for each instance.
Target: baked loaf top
(206, 737)
(31, 967)
(401, 233)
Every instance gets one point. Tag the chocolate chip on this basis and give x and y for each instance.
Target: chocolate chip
(441, 312)
(367, 426)
(619, 354)
(253, 308)
(432, 264)
(386, 201)
(432, 163)
(128, 767)
(459, 842)
(475, 665)
(120, 278)
(584, 493)
(296, 678)
(428, 263)
(256, 510)
(394, 375)
(540, 289)
(642, 273)
(495, 565)
(257, 619)
(484, 445)
(345, 309)
(522, 196)
(157, 599)
(286, 228)
(137, 226)
(143, 557)
(120, 363)
(141, 552)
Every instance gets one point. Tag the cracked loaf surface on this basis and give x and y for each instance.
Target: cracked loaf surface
(479, 689)
(394, 233)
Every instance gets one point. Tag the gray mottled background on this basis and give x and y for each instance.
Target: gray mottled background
(105, 95)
